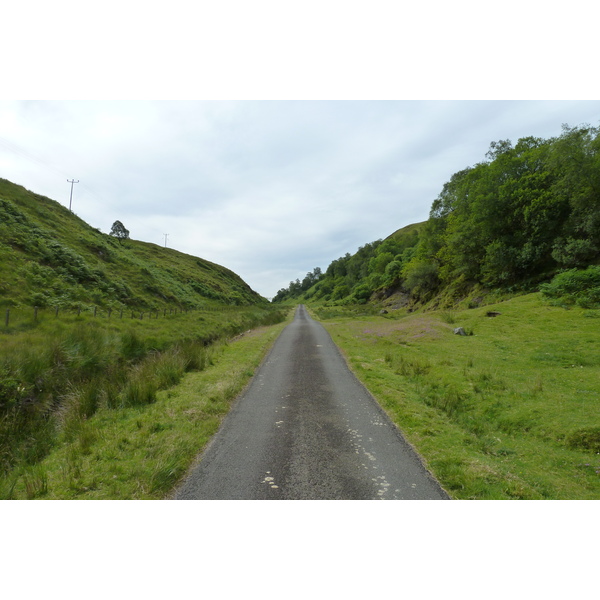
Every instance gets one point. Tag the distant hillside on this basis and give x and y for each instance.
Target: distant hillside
(50, 257)
(508, 224)
(353, 279)
(404, 232)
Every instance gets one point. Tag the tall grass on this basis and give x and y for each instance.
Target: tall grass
(56, 376)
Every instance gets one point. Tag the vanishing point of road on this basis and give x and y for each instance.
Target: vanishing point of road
(307, 429)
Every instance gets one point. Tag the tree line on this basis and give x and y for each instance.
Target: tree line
(525, 213)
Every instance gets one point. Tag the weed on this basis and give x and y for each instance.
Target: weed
(36, 482)
(587, 438)
(132, 346)
(444, 397)
(139, 389)
(63, 371)
(166, 368)
(167, 472)
(448, 317)
(413, 368)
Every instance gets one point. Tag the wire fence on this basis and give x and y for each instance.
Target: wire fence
(14, 316)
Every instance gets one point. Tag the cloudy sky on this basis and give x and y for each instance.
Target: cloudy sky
(273, 138)
(269, 189)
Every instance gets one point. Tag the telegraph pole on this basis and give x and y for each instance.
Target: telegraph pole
(166, 236)
(71, 181)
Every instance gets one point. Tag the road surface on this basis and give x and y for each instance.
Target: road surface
(306, 428)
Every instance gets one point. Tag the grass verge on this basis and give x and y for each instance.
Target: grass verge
(118, 425)
(140, 449)
(509, 412)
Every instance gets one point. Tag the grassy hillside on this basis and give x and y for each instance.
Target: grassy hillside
(49, 257)
(374, 269)
(408, 230)
(69, 361)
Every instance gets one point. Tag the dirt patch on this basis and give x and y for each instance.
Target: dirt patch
(409, 329)
(251, 333)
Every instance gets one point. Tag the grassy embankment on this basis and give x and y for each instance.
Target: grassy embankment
(121, 407)
(72, 365)
(52, 259)
(509, 412)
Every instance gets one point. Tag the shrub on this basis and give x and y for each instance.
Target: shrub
(340, 291)
(140, 389)
(362, 293)
(581, 287)
(420, 276)
(393, 271)
(132, 346)
(11, 390)
(573, 252)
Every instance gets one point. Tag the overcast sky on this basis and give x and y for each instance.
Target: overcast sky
(269, 189)
(311, 129)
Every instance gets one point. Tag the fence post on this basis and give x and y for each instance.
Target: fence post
(78, 310)
(35, 311)
(56, 312)
(95, 309)
(109, 311)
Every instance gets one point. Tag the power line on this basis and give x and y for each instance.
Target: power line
(71, 181)
(19, 150)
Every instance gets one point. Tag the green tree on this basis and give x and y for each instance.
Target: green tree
(119, 231)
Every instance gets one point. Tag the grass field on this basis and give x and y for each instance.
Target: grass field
(510, 411)
(58, 375)
(140, 450)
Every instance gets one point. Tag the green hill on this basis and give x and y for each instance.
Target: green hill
(49, 257)
(404, 232)
(507, 225)
(353, 279)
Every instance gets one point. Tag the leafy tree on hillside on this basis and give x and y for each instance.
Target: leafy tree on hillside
(119, 231)
(517, 218)
(527, 211)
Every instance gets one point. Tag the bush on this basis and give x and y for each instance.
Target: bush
(11, 390)
(362, 293)
(420, 276)
(573, 252)
(340, 291)
(581, 287)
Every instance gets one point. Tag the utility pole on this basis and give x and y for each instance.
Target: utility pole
(71, 181)
(166, 236)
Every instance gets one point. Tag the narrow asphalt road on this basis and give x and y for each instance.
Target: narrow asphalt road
(306, 428)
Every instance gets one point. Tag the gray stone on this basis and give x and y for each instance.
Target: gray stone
(460, 331)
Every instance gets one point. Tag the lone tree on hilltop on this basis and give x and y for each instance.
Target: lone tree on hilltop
(119, 231)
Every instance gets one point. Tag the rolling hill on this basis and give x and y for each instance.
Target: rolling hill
(49, 257)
